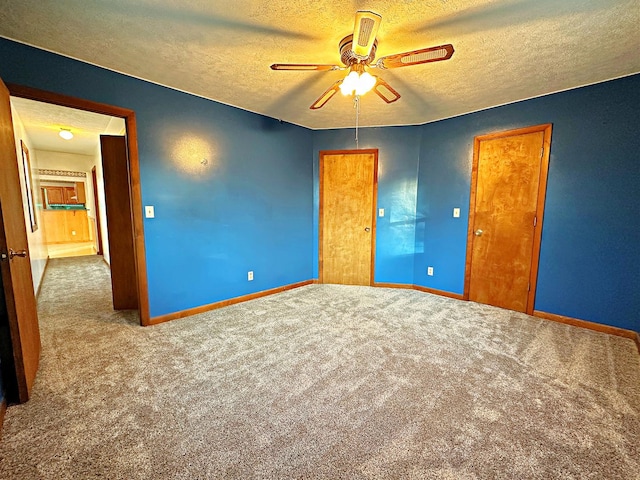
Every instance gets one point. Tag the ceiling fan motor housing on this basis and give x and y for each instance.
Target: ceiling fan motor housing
(348, 57)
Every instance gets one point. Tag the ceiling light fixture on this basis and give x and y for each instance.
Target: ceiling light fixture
(66, 133)
(358, 81)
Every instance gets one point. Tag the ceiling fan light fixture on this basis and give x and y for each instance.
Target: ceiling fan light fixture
(66, 133)
(358, 81)
(365, 83)
(350, 83)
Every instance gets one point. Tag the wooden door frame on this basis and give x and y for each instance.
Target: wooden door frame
(134, 174)
(542, 192)
(322, 153)
(96, 205)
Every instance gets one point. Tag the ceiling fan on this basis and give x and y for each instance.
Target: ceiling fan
(357, 52)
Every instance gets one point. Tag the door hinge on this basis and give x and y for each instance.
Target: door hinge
(529, 288)
(541, 152)
(535, 221)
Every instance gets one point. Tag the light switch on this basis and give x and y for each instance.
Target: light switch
(149, 211)
(456, 213)
(381, 212)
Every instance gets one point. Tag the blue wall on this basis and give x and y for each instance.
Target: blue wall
(590, 252)
(254, 206)
(249, 208)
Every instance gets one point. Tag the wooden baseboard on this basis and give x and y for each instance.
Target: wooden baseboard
(442, 293)
(3, 409)
(225, 303)
(393, 285)
(598, 327)
(420, 288)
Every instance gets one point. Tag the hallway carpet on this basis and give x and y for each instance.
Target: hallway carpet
(320, 382)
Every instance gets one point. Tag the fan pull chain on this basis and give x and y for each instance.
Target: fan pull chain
(356, 105)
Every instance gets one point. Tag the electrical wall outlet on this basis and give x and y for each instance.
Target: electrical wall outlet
(250, 275)
(430, 271)
(456, 213)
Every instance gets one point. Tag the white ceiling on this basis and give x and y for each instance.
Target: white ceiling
(43, 122)
(505, 50)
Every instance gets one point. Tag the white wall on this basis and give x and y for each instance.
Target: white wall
(97, 162)
(38, 252)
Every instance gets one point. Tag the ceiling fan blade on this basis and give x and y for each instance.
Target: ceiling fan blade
(415, 57)
(304, 66)
(326, 96)
(385, 92)
(364, 33)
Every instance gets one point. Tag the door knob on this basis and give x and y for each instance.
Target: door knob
(367, 229)
(478, 232)
(20, 253)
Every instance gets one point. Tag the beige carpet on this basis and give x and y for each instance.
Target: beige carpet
(321, 382)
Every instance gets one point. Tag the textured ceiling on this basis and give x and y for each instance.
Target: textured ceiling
(505, 50)
(43, 122)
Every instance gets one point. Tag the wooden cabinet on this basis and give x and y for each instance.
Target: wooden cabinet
(70, 197)
(56, 195)
(53, 195)
(66, 226)
(81, 196)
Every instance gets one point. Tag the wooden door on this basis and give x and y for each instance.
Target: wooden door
(17, 281)
(507, 200)
(119, 222)
(348, 182)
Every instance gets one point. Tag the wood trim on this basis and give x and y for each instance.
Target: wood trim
(320, 215)
(542, 189)
(65, 100)
(134, 174)
(3, 410)
(420, 288)
(638, 341)
(537, 235)
(598, 327)
(225, 303)
(44, 272)
(442, 293)
(321, 154)
(374, 216)
(137, 218)
(349, 151)
(406, 286)
(472, 217)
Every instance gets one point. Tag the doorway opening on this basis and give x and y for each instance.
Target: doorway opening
(21, 220)
(67, 178)
(122, 121)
